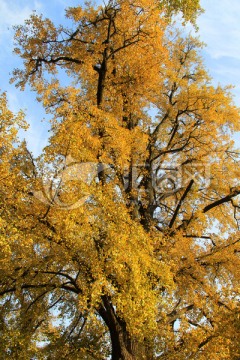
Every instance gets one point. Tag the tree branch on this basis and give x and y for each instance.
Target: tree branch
(188, 188)
(227, 198)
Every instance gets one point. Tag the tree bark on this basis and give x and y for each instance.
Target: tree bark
(123, 346)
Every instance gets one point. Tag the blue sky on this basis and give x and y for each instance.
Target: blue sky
(219, 29)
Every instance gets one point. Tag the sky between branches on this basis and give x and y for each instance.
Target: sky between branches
(219, 29)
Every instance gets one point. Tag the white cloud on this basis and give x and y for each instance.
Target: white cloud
(219, 27)
(12, 13)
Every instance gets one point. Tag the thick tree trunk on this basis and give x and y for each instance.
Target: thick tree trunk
(123, 346)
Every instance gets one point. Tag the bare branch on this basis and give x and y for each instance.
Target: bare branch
(227, 198)
(188, 188)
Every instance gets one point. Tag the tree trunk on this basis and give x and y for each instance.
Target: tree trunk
(123, 346)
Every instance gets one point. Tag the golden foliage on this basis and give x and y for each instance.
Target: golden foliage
(126, 230)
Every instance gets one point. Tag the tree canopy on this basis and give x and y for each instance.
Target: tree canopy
(122, 239)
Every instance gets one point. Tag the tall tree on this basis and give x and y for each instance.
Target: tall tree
(127, 239)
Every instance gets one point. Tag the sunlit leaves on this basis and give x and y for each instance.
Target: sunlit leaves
(125, 231)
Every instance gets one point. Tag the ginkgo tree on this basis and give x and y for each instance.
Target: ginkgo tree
(123, 240)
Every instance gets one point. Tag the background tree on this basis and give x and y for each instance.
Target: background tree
(143, 264)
